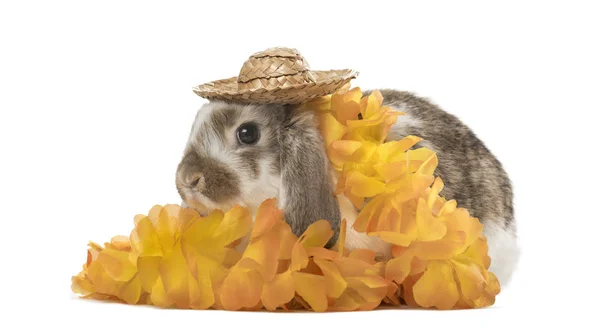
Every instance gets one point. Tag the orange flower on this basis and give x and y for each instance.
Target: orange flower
(254, 277)
(449, 271)
(109, 272)
(352, 125)
(182, 255)
(323, 104)
(333, 281)
(460, 282)
(175, 257)
(374, 121)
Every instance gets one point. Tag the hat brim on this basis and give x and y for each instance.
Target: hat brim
(326, 82)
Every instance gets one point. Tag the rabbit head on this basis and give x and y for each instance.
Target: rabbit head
(245, 153)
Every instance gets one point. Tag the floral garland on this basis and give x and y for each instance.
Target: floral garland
(176, 258)
(440, 254)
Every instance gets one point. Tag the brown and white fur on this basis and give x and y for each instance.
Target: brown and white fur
(289, 162)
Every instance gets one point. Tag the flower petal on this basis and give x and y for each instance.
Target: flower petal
(346, 147)
(287, 240)
(154, 213)
(449, 246)
(299, 257)
(267, 216)
(391, 171)
(407, 290)
(158, 296)
(201, 290)
(365, 255)
(279, 291)
(492, 289)
(447, 208)
(397, 269)
(346, 105)
(334, 282)
(461, 221)
(148, 271)
(321, 104)
(116, 264)
(371, 288)
(437, 288)
(370, 106)
(409, 187)
(434, 192)
(345, 303)
(331, 129)
(394, 237)
(145, 240)
(168, 224)
(130, 292)
(317, 234)
(241, 288)
(353, 267)
(81, 284)
(368, 213)
(312, 289)
(203, 274)
(429, 227)
(236, 223)
(322, 253)
(429, 166)
(175, 277)
(364, 186)
(264, 251)
(387, 216)
(99, 278)
(470, 278)
(120, 242)
(395, 148)
(200, 233)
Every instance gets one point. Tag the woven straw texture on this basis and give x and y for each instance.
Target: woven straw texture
(276, 75)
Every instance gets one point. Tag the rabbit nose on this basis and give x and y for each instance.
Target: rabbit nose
(195, 180)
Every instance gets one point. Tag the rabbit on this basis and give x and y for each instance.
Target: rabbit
(240, 153)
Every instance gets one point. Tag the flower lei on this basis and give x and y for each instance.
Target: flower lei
(439, 253)
(176, 258)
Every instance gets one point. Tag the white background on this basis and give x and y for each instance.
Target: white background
(96, 104)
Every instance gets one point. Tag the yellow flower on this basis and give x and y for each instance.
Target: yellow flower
(346, 106)
(449, 264)
(374, 121)
(352, 125)
(395, 183)
(173, 259)
(323, 104)
(182, 255)
(333, 281)
(254, 277)
(110, 273)
(460, 282)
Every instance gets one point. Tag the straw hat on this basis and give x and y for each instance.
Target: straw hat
(276, 75)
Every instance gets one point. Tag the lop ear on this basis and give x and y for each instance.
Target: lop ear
(307, 193)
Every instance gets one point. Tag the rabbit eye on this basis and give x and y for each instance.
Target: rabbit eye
(248, 133)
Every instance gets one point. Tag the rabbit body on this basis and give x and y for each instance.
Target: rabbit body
(244, 153)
